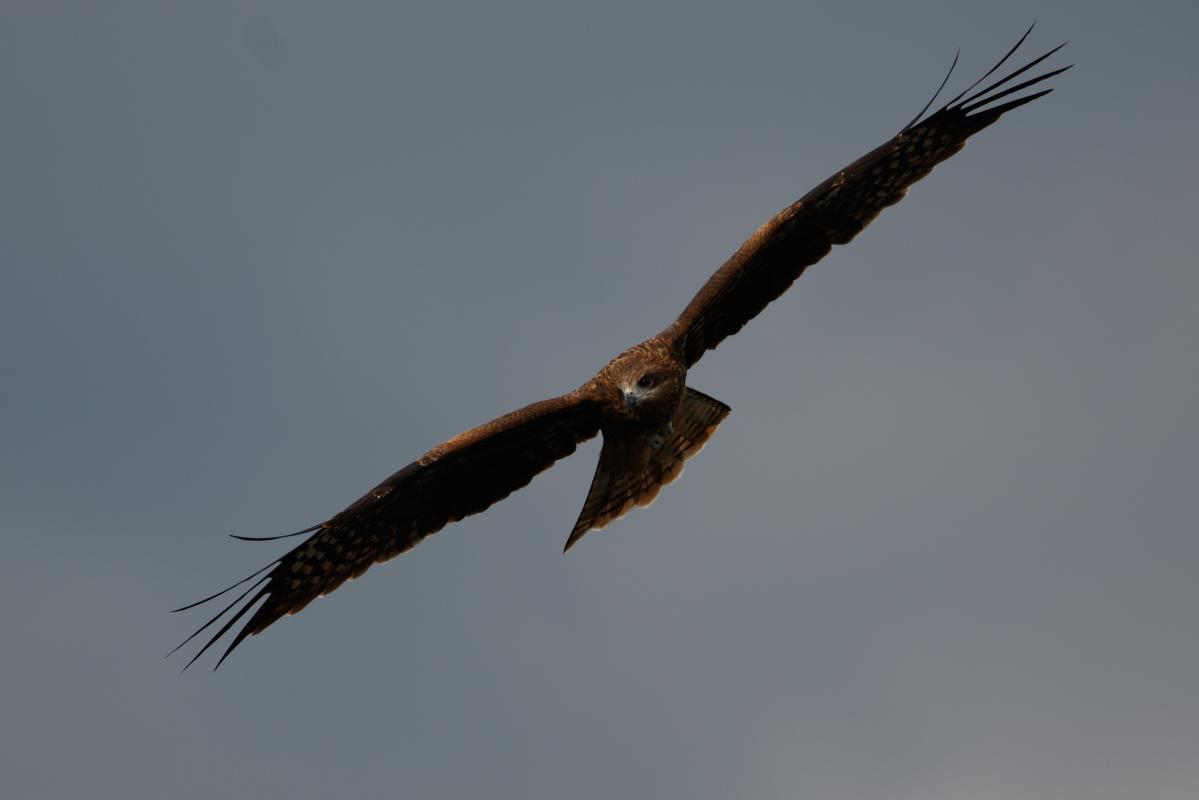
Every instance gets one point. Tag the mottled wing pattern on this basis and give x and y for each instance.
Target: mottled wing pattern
(836, 211)
(632, 469)
(460, 477)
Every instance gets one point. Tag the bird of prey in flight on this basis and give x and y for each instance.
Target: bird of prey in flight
(651, 420)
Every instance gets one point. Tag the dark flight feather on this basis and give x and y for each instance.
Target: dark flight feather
(998, 64)
(936, 94)
(272, 538)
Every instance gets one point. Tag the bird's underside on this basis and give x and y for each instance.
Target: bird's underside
(650, 420)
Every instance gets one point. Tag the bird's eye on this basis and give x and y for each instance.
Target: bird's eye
(646, 381)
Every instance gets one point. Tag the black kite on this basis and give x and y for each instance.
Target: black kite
(650, 419)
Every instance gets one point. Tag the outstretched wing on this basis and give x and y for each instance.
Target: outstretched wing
(453, 480)
(837, 210)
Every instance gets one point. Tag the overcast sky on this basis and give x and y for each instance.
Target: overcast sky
(258, 255)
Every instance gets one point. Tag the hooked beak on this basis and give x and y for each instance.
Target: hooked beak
(630, 399)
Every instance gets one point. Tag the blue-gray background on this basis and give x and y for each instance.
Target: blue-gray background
(258, 255)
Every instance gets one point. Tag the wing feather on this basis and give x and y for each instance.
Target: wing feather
(453, 480)
(835, 212)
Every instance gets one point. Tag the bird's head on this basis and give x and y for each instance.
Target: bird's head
(645, 386)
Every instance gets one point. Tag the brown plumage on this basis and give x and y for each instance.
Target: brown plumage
(651, 421)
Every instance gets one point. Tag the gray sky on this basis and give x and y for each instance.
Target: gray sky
(256, 256)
